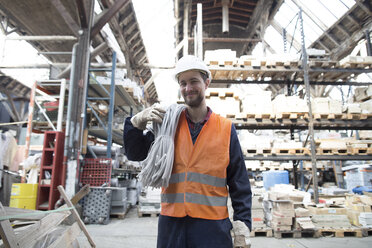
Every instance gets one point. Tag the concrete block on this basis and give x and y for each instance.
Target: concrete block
(320, 105)
(354, 108)
(366, 106)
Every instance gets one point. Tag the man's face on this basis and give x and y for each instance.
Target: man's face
(192, 87)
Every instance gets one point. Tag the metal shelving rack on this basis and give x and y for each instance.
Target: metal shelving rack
(300, 75)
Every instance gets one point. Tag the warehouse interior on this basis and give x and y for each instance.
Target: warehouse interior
(293, 76)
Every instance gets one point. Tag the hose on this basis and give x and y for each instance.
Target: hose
(157, 167)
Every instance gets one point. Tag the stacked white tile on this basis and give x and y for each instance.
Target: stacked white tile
(289, 104)
(220, 56)
(365, 219)
(258, 103)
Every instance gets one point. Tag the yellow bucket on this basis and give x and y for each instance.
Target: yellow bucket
(23, 195)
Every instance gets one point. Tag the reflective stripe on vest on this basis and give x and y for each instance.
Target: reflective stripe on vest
(195, 198)
(198, 178)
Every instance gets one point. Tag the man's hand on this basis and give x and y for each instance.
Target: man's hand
(242, 235)
(154, 113)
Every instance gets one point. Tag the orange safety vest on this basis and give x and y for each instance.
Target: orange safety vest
(197, 187)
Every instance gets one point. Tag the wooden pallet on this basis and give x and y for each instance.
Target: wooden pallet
(148, 213)
(291, 151)
(262, 232)
(256, 151)
(333, 151)
(340, 233)
(361, 151)
(296, 234)
(118, 215)
(366, 231)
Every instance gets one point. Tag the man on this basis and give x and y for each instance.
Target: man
(208, 165)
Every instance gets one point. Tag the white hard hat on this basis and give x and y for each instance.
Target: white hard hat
(190, 62)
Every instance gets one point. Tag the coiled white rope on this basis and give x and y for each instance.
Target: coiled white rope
(157, 167)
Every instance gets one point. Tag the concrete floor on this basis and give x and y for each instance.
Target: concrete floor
(135, 232)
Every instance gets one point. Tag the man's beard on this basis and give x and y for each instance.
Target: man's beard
(194, 103)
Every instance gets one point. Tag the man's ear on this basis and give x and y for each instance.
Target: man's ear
(207, 82)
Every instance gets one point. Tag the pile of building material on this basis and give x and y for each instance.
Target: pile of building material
(149, 202)
(359, 209)
(257, 103)
(303, 220)
(287, 215)
(282, 215)
(326, 105)
(289, 104)
(361, 101)
(224, 102)
(358, 175)
(30, 228)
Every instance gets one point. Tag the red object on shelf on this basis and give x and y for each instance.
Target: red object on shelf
(52, 170)
(96, 171)
(52, 105)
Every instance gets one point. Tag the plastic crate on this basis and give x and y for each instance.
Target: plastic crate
(97, 205)
(96, 172)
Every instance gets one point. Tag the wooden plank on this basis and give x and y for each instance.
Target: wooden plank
(76, 216)
(29, 236)
(79, 195)
(6, 231)
(67, 237)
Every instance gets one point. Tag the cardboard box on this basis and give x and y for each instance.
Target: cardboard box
(284, 213)
(275, 196)
(257, 202)
(257, 213)
(325, 211)
(329, 220)
(361, 208)
(353, 217)
(302, 212)
(282, 205)
(282, 221)
(275, 227)
(304, 223)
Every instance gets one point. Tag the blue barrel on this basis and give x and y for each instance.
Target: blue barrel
(270, 178)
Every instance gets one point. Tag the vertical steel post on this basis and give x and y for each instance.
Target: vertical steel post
(368, 43)
(111, 106)
(225, 16)
(61, 106)
(199, 21)
(186, 8)
(311, 121)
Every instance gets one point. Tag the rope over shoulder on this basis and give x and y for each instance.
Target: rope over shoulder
(157, 167)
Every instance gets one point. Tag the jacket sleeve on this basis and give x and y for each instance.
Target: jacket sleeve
(137, 142)
(238, 182)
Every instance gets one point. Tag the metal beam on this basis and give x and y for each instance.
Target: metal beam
(285, 82)
(228, 40)
(308, 158)
(66, 16)
(96, 51)
(43, 38)
(276, 25)
(106, 17)
(82, 14)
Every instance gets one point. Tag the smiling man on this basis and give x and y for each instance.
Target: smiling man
(208, 166)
